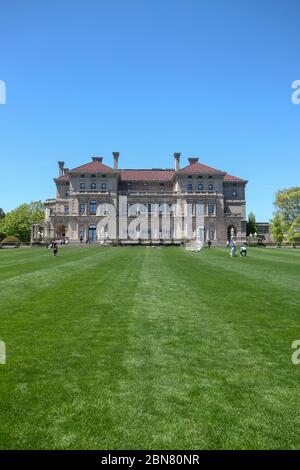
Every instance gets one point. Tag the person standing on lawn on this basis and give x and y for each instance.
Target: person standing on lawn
(54, 248)
(233, 248)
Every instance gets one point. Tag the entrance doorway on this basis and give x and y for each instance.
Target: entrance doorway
(92, 234)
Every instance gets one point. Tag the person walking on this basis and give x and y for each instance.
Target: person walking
(209, 243)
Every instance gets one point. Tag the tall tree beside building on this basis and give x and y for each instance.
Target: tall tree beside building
(251, 224)
(277, 228)
(18, 221)
(287, 204)
(293, 233)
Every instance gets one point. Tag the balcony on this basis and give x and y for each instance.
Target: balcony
(90, 191)
(167, 193)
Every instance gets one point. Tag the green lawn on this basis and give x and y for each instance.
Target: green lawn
(142, 348)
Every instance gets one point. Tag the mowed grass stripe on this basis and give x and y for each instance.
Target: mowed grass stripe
(257, 267)
(42, 260)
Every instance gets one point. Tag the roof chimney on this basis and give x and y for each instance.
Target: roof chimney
(61, 165)
(177, 161)
(193, 160)
(97, 159)
(116, 158)
(66, 170)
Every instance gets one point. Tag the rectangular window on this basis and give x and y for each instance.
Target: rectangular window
(190, 209)
(82, 208)
(211, 234)
(66, 209)
(211, 209)
(200, 208)
(190, 187)
(93, 207)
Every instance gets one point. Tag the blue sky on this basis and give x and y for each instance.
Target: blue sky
(147, 78)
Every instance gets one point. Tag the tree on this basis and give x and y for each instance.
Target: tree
(2, 213)
(251, 225)
(287, 204)
(277, 228)
(18, 221)
(293, 234)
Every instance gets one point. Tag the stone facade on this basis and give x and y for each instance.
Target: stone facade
(105, 204)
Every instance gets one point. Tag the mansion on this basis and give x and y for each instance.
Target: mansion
(103, 204)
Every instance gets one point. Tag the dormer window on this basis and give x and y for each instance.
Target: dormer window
(93, 176)
(190, 177)
(210, 177)
(82, 176)
(200, 176)
(103, 176)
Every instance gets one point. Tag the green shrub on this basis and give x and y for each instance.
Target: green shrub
(11, 240)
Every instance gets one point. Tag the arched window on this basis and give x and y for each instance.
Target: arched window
(103, 186)
(234, 193)
(200, 187)
(210, 187)
(92, 207)
(93, 186)
(82, 185)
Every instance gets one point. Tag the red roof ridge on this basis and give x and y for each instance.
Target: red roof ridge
(228, 177)
(197, 167)
(93, 167)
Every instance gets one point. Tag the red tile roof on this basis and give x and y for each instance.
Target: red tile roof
(62, 178)
(200, 168)
(93, 167)
(147, 175)
(233, 179)
(151, 174)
